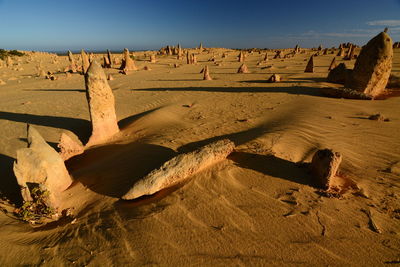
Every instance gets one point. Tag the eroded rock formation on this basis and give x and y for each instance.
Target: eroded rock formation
(101, 105)
(180, 168)
(39, 166)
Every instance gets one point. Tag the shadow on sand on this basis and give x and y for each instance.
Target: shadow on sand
(8, 185)
(296, 90)
(273, 166)
(80, 127)
(56, 90)
(112, 170)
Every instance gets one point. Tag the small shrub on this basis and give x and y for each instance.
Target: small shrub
(4, 53)
(15, 53)
(37, 209)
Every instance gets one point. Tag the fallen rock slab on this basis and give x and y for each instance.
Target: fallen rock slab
(180, 168)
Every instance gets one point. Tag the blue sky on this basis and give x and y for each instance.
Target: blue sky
(53, 25)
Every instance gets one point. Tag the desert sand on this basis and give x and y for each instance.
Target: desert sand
(259, 207)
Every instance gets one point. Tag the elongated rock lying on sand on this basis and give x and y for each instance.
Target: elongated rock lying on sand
(41, 166)
(180, 168)
(310, 65)
(373, 66)
(101, 105)
(324, 166)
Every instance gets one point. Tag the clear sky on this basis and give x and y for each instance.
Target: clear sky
(57, 25)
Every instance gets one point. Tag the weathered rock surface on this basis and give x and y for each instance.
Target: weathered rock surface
(69, 145)
(274, 78)
(107, 63)
(373, 66)
(333, 64)
(72, 65)
(339, 74)
(241, 57)
(127, 63)
(109, 57)
(40, 165)
(101, 105)
(85, 61)
(207, 76)
(180, 168)
(324, 166)
(243, 69)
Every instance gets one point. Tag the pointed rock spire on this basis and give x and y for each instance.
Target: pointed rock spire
(128, 64)
(188, 58)
(71, 57)
(333, 64)
(107, 63)
(310, 65)
(85, 61)
(101, 105)
(373, 66)
(241, 57)
(72, 65)
(110, 59)
(91, 58)
(243, 69)
(349, 51)
(341, 52)
(207, 76)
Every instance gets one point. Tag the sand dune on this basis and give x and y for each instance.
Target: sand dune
(259, 207)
